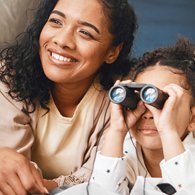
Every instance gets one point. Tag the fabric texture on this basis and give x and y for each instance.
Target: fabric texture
(52, 149)
(178, 171)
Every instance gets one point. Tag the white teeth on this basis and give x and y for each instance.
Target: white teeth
(61, 58)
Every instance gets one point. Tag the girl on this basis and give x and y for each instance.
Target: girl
(160, 152)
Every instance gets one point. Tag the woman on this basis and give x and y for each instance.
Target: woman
(54, 82)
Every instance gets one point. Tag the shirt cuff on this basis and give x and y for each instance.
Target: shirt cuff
(180, 170)
(109, 172)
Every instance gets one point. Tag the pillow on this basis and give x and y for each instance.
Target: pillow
(15, 16)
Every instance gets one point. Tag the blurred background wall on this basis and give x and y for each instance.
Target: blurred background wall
(162, 21)
(15, 16)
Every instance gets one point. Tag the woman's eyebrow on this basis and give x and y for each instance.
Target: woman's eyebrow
(80, 22)
(58, 13)
(90, 25)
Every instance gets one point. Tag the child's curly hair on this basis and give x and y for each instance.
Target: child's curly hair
(181, 56)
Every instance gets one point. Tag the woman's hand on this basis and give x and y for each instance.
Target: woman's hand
(50, 184)
(17, 175)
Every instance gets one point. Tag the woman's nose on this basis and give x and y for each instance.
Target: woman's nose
(147, 115)
(65, 38)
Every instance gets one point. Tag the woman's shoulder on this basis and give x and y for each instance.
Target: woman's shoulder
(5, 97)
(9, 103)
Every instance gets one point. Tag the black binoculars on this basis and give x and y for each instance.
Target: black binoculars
(128, 95)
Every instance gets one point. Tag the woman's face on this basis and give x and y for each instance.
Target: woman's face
(75, 42)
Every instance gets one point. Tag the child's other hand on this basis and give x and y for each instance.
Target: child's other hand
(174, 117)
(121, 116)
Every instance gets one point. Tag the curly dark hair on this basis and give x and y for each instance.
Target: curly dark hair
(21, 68)
(123, 25)
(181, 56)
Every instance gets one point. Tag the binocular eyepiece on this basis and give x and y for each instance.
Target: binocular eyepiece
(128, 95)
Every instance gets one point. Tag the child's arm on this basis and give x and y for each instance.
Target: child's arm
(114, 139)
(110, 174)
(110, 165)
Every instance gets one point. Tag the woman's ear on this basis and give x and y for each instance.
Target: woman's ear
(191, 126)
(113, 53)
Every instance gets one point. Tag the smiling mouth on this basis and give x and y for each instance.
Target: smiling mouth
(62, 58)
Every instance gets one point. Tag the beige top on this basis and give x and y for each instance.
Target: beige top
(62, 145)
(59, 138)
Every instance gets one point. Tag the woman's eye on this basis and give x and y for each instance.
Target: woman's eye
(55, 21)
(86, 34)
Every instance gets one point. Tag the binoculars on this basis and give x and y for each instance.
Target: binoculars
(128, 95)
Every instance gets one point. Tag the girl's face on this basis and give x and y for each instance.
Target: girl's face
(145, 131)
(75, 42)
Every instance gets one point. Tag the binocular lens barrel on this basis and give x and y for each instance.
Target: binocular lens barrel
(149, 94)
(129, 95)
(118, 94)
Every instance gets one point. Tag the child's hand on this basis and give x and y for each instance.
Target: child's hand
(114, 138)
(172, 121)
(176, 111)
(121, 116)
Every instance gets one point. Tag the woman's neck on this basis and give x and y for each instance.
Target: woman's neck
(152, 159)
(67, 97)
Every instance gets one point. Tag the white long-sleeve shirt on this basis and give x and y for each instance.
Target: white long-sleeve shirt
(114, 174)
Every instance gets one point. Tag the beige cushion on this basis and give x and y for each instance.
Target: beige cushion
(15, 15)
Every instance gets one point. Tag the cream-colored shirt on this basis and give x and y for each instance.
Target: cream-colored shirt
(63, 145)
(58, 138)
